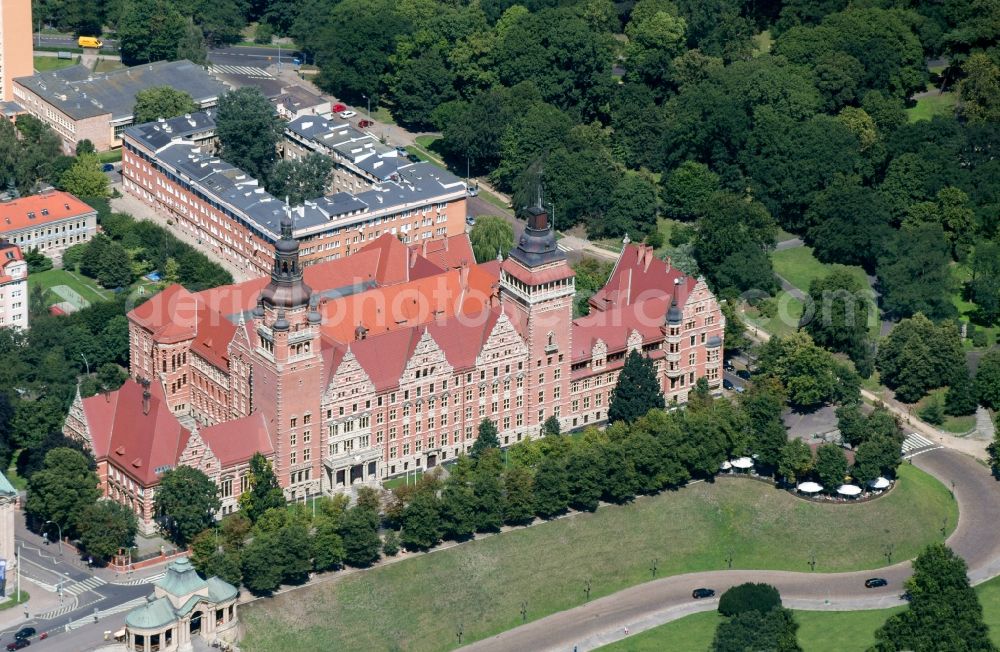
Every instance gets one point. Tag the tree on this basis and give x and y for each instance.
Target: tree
(993, 451)
(61, 491)
(686, 190)
(248, 129)
(918, 356)
(848, 224)
(390, 543)
(943, 612)
(637, 391)
(105, 527)
(518, 496)
(487, 489)
(302, 179)
(831, 466)
(988, 379)
(551, 487)
(458, 502)
(359, 532)
(586, 469)
(551, 426)
(750, 596)
(264, 492)
(486, 438)
(85, 146)
(914, 274)
(85, 178)
(764, 404)
(422, 520)
(774, 630)
(984, 287)
(158, 102)
(961, 398)
(878, 456)
(257, 561)
(327, 544)
(811, 375)
(295, 552)
(420, 78)
(655, 37)
(842, 308)
(632, 209)
(980, 89)
(491, 236)
(186, 502)
(732, 241)
(796, 460)
(149, 30)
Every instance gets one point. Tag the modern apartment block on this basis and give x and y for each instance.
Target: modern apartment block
(13, 287)
(16, 52)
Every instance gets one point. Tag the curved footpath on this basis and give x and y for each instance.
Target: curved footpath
(648, 605)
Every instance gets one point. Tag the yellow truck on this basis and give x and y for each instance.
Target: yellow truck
(89, 42)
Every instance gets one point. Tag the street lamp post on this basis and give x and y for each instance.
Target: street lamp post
(887, 551)
(85, 362)
(461, 630)
(587, 590)
(654, 566)
(812, 562)
(524, 611)
(60, 535)
(729, 559)
(369, 105)
(552, 209)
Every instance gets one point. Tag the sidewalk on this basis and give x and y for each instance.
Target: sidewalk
(39, 601)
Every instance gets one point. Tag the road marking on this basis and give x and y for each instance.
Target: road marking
(243, 71)
(142, 580)
(85, 585)
(915, 444)
(563, 248)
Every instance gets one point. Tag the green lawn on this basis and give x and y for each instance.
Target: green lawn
(959, 425)
(762, 43)
(110, 156)
(43, 64)
(383, 115)
(966, 309)
(819, 631)
(84, 286)
(942, 104)
(785, 320)
(799, 267)
(417, 604)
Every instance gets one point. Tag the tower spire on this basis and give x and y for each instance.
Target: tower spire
(286, 289)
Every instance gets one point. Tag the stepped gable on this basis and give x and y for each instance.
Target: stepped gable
(137, 431)
(640, 275)
(234, 442)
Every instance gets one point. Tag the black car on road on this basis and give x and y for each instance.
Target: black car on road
(25, 632)
(743, 373)
(701, 593)
(727, 384)
(875, 582)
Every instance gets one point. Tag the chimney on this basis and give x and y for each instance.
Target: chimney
(668, 263)
(649, 258)
(424, 254)
(463, 274)
(145, 400)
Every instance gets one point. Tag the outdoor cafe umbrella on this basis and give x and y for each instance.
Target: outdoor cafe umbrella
(810, 487)
(725, 466)
(879, 483)
(848, 490)
(742, 463)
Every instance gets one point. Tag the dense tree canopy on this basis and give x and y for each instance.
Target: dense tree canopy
(637, 390)
(161, 102)
(186, 502)
(248, 129)
(918, 356)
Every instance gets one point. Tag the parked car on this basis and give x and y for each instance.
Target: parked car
(401, 150)
(364, 124)
(297, 61)
(338, 107)
(413, 158)
(743, 373)
(347, 114)
(25, 632)
(728, 365)
(727, 384)
(471, 221)
(701, 593)
(108, 167)
(739, 389)
(19, 644)
(875, 582)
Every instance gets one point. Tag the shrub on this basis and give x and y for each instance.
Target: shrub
(749, 597)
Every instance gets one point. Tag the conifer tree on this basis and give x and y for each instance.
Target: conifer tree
(637, 391)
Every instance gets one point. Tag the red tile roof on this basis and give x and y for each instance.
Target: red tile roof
(140, 443)
(453, 251)
(639, 275)
(9, 254)
(233, 442)
(614, 326)
(171, 315)
(56, 204)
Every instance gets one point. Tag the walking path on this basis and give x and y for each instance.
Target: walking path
(653, 603)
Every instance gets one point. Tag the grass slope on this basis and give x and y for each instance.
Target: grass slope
(800, 267)
(819, 631)
(927, 107)
(43, 64)
(419, 603)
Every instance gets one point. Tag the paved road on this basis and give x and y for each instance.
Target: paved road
(67, 41)
(250, 56)
(653, 603)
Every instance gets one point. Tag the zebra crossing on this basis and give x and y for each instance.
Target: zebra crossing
(83, 586)
(243, 71)
(142, 580)
(916, 443)
(59, 611)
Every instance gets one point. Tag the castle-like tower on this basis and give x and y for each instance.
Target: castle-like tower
(537, 285)
(286, 367)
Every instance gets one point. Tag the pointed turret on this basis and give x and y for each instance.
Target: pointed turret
(286, 289)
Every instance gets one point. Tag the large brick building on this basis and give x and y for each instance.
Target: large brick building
(15, 44)
(170, 166)
(80, 104)
(355, 370)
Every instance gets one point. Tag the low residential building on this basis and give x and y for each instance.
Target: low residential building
(181, 607)
(13, 287)
(16, 51)
(80, 104)
(234, 218)
(48, 222)
(296, 101)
